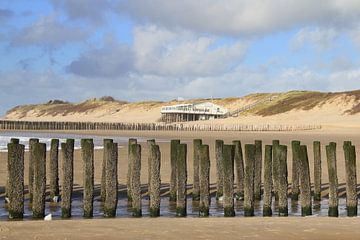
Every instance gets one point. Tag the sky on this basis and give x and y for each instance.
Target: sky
(139, 50)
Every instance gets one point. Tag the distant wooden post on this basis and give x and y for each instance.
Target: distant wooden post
(275, 167)
(219, 168)
(283, 181)
(54, 169)
(173, 164)
(15, 183)
(305, 184)
(239, 170)
(155, 180)
(87, 152)
(258, 170)
(267, 181)
(39, 185)
(228, 166)
(32, 142)
(135, 159)
(204, 181)
(196, 160)
(103, 169)
(111, 184)
(249, 180)
(317, 171)
(333, 181)
(181, 180)
(130, 167)
(295, 190)
(67, 150)
(351, 180)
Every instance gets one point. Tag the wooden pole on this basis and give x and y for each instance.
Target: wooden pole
(351, 180)
(249, 180)
(204, 181)
(258, 170)
(219, 168)
(267, 181)
(305, 184)
(87, 152)
(239, 170)
(283, 181)
(173, 164)
(275, 167)
(15, 183)
(103, 169)
(196, 159)
(228, 166)
(32, 142)
(155, 180)
(54, 169)
(317, 170)
(181, 180)
(333, 181)
(149, 143)
(111, 184)
(67, 150)
(295, 190)
(130, 167)
(135, 159)
(39, 184)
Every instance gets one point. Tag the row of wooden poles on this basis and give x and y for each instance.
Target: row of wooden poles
(230, 164)
(38, 125)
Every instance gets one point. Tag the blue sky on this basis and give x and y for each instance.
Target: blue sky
(160, 50)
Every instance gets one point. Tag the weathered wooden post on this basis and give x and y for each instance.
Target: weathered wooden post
(196, 159)
(239, 170)
(275, 167)
(305, 184)
(267, 181)
(155, 180)
(149, 143)
(351, 180)
(333, 181)
(258, 170)
(87, 152)
(103, 169)
(249, 180)
(39, 185)
(111, 181)
(32, 142)
(317, 170)
(295, 190)
(283, 181)
(130, 167)
(54, 169)
(204, 181)
(173, 164)
(228, 166)
(15, 183)
(135, 159)
(219, 144)
(181, 170)
(67, 150)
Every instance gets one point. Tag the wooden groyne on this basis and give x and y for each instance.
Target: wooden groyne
(44, 125)
(231, 185)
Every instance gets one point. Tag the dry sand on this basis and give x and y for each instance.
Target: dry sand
(191, 228)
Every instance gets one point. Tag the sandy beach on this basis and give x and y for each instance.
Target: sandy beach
(191, 228)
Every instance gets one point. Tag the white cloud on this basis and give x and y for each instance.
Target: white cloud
(243, 17)
(320, 38)
(48, 31)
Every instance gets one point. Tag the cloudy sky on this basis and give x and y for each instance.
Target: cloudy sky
(161, 49)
